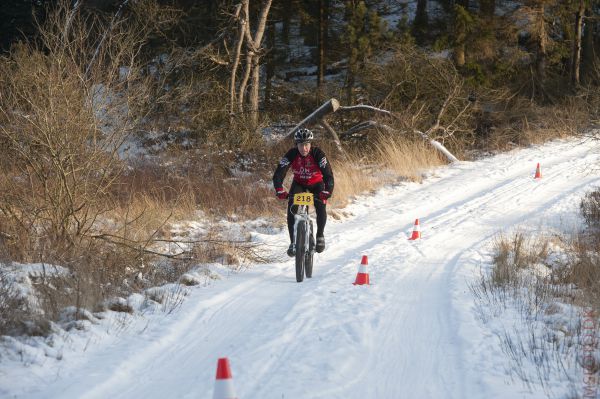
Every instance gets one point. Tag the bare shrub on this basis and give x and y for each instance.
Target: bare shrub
(236, 253)
(590, 209)
(549, 293)
(120, 305)
(504, 271)
(505, 120)
(427, 94)
(16, 314)
(583, 270)
(524, 277)
(513, 256)
(66, 107)
(68, 103)
(583, 266)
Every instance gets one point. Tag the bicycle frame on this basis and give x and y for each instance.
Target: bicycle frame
(302, 216)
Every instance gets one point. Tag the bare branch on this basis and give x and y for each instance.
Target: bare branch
(362, 107)
(366, 125)
(333, 134)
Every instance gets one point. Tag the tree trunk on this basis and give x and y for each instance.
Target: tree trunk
(286, 21)
(542, 44)
(252, 67)
(588, 55)
(421, 22)
(244, 83)
(256, 47)
(576, 58)
(325, 109)
(254, 91)
(323, 27)
(350, 80)
(487, 11)
(460, 34)
(488, 8)
(333, 106)
(240, 14)
(270, 64)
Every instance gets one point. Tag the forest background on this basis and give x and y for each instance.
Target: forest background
(119, 119)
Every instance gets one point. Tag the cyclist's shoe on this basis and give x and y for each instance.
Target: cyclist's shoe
(291, 251)
(320, 247)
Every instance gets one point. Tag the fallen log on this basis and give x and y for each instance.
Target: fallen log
(333, 106)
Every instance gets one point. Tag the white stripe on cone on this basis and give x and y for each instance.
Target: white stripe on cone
(362, 277)
(416, 234)
(224, 389)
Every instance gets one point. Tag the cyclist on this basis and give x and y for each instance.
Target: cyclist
(311, 171)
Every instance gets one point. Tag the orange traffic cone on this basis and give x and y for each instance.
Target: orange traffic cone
(538, 172)
(416, 232)
(224, 383)
(362, 277)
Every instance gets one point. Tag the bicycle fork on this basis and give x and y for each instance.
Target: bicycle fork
(302, 217)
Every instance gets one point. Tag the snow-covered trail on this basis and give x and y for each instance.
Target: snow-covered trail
(411, 334)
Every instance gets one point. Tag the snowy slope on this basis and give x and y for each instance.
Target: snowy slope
(411, 334)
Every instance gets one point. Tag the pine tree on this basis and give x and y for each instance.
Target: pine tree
(464, 24)
(421, 22)
(364, 32)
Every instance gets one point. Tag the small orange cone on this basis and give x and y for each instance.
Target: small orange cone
(362, 277)
(538, 172)
(416, 232)
(224, 383)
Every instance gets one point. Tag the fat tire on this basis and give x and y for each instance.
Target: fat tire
(308, 262)
(300, 251)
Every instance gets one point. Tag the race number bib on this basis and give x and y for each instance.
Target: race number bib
(303, 199)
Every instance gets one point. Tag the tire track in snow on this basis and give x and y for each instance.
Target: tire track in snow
(400, 337)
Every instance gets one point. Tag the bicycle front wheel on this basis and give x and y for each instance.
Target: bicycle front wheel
(300, 250)
(308, 263)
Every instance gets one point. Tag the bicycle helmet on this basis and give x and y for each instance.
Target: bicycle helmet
(303, 135)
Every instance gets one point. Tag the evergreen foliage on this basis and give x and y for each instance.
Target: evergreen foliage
(364, 32)
(524, 47)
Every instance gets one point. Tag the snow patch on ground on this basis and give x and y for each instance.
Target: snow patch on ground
(416, 331)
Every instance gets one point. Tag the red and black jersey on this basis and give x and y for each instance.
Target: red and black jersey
(309, 170)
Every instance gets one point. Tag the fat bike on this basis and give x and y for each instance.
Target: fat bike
(304, 240)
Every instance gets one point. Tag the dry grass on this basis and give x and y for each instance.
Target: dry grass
(513, 256)
(65, 111)
(520, 122)
(352, 177)
(407, 158)
(523, 278)
(583, 268)
(67, 197)
(389, 160)
(546, 301)
(583, 271)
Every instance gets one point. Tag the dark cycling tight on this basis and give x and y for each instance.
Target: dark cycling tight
(320, 207)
